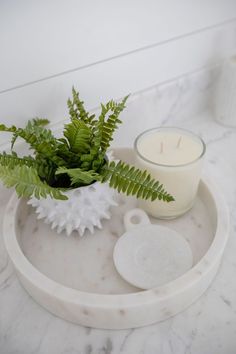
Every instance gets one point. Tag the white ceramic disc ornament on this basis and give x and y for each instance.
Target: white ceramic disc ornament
(150, 255)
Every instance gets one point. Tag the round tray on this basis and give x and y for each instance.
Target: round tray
(75, 277)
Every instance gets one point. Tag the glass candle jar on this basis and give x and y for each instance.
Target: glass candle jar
(174, 157)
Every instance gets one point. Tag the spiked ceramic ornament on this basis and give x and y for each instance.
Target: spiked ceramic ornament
(84, 208)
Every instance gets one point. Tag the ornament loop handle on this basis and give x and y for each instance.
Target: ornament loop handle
(135, 218)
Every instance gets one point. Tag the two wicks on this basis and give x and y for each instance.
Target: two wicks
(177, 145)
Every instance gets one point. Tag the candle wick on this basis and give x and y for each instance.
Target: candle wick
(162, 148)
(179, 141)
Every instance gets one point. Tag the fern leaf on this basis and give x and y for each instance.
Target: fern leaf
(77, 110)
(45, 168)
(35, 132)
(17, 131)
(4, 128)
(112, 124)
(78, 176)
(132, 181)
(78, 135)
(40, 139)
(40, 121)
(27, 183)
(71, 159)
(104, 129)
(12, 160)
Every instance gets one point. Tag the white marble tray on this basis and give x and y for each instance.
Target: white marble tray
(75, 278)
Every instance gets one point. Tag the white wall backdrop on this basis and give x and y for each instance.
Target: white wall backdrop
(105, 48)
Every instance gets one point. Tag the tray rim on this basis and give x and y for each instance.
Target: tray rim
(63, 293)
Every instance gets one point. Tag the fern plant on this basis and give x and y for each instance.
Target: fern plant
(76, 159)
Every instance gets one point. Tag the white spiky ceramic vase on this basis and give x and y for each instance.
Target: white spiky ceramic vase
(83, 210)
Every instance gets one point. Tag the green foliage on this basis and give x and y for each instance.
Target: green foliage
(76, 159)
(79, 177)
(27, 182)
(11, 160)
(77, 110)
(78, 135)
(40, 122)
(104, 129)
(133, 181)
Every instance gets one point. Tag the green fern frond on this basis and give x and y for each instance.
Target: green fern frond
(78, 135)
(71, 159)
(4, 128)
(104, 129)
(112, 124)
(45, 168)
(102, 132)
(133, 181)
(35, 134)
(78, 176)
(77, 110)
(41, 140)
(40, 121)
(12, 160)
(27, 183)
(98, 132)
(92, 161)
(18, 131)
(35, 127)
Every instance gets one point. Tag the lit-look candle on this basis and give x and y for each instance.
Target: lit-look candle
(174, 157)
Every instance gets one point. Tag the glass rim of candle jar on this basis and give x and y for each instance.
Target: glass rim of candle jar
(186, 131)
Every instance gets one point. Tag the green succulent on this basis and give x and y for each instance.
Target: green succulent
(76, 159)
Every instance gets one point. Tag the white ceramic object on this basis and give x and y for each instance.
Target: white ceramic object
(84, 209)
(149, 255)
(75, 278)
(225, 94)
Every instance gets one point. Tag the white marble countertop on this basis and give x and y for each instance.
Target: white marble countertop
(207, 327)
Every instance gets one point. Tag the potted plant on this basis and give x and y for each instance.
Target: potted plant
(66, 173)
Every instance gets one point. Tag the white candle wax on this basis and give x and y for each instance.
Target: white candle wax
(174, 157)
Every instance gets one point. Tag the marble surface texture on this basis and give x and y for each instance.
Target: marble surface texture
(207, 327)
